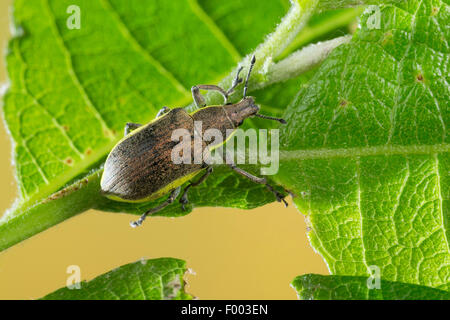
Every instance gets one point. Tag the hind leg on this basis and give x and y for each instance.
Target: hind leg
(184, 198)
(173, 195)
(280, 197)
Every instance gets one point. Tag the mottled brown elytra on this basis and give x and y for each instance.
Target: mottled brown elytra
(139, 168)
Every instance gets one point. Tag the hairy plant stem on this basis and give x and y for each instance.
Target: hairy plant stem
(274, 45)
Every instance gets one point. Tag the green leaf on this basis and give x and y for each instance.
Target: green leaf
(157, 279)
(72, 91)
(324, 26)
(367, 151)
(335, 4)
(319, 287)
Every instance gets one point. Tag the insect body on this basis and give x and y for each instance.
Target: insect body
(140, 167)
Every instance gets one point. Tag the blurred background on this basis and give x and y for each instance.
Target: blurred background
(236, 254)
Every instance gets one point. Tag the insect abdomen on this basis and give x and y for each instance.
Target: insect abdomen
(140, 167)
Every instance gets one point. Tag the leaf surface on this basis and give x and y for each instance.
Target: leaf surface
(319, 287)
(156, 279)
(73, 90)
(367, 150)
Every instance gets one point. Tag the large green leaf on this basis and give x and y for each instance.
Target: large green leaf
(367, 151)
(157, 279)
(319, 287)
(72, 91)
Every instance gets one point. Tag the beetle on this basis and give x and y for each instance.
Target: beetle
(139, 168)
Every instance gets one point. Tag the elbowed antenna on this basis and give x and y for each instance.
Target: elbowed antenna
(252, 63)
(280, 120)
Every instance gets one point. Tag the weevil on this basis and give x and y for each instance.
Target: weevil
(139, 168)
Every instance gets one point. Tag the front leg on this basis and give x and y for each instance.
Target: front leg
(200, 100)
(130, 126)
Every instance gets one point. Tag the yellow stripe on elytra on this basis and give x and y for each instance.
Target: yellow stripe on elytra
(178, 182)
(161, 192)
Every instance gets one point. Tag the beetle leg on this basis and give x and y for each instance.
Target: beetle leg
(280, 197)
(173, 195)
(236, 82)
(130, 126)
(262, 116)
(162, 111)
(184, 199)
(200, 100)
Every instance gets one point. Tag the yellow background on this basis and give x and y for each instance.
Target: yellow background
(236, 254)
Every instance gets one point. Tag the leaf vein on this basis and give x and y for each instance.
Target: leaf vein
(72, 73)
(358, 203)
(127, 34)
(439, 193)
(212, 26)
(384, 150)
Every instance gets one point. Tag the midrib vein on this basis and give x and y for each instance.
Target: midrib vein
(363, 151)
(72, 74)
(441, 204)
(217, 32)
(140, 49)
(361, 216)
